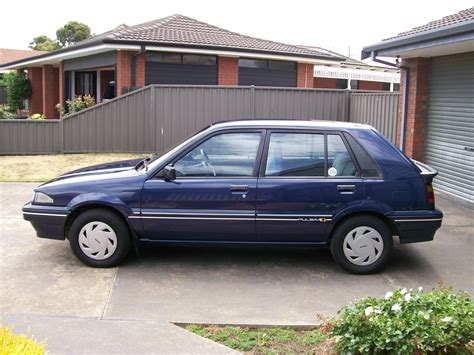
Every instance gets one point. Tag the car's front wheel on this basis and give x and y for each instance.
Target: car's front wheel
(99, 238)
(362, 244)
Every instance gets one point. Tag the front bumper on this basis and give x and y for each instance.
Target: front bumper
(416, 226)
(48, 221)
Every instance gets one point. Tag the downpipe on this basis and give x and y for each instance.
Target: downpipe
(405, 71)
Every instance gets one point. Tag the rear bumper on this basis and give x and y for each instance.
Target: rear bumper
(48, 221)
(416, 226)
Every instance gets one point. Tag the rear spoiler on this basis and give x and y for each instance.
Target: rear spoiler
(426, 172)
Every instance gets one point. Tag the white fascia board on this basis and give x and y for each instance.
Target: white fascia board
(236, 54)
(356, 74)
(56, 58)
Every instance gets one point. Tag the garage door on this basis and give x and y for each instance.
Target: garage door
(450, 126)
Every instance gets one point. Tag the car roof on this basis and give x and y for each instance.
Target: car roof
(288, 123)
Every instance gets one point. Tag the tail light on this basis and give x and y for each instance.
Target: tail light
(430, 194)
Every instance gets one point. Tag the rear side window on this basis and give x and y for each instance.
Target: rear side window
(339, 160)
(305, 154)
(295, 154)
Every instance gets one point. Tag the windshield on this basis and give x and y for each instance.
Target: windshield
(157, 156)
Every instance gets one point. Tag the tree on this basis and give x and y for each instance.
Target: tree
(44, 43)
(72, 32)
(18, 90)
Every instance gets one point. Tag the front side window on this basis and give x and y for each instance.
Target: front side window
(295, 154)
(304, 154)
(223, 155)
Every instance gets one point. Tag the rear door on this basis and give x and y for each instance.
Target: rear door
(305, 179)
(213, 197)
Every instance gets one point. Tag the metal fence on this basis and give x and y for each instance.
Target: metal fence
(377, 109)
(29, 137)
(156, 117)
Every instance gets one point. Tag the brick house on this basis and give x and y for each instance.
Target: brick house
(171, 50)
(9, 55)
(436, 109)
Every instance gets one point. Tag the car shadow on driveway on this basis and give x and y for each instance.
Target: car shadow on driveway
(259, 285)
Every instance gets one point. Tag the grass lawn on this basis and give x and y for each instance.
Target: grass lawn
(40, 168)
(276, 340)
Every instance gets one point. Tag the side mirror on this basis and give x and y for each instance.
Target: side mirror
(169, 173)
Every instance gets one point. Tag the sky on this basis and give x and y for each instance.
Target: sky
(343, 26)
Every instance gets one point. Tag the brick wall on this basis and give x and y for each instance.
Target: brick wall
(227, 71)
(124, 71)
(417, 106)
(370, 85)
(35, 74)
(324, 83)
(304, 75)
(50, 82)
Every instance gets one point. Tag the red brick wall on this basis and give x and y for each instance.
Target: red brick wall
(124, 70)
(324, 83)
(417, 106)
(50, 83)
(370, 85)
(36, 100)
(304, 75)
(140, 70)
(227, 71)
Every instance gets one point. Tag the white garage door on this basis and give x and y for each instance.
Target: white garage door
(450, 127)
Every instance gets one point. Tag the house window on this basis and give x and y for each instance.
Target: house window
(341, 83)
(263, 72)
(85, 83)
(180, 69)
(177, 58)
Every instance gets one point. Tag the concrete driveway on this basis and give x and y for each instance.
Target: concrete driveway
(131, 309)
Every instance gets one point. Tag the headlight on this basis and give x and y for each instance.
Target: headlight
(41, 197)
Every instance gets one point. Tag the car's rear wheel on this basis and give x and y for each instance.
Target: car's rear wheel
(99, 238)
(362, 244)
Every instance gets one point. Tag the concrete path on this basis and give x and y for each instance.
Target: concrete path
(131, 309)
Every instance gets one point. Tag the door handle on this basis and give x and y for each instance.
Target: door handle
(346, 189)
(469, 149)
(239, 188)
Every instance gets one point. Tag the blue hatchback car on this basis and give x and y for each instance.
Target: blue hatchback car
(252, 182)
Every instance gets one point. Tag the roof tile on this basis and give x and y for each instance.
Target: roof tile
(461, 16)
(179, 29)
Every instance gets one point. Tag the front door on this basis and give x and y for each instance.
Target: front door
(213, 197)
(305, 179)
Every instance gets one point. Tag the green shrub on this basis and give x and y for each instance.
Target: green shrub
(406, 321)
(18, 90)
(5, 113)
(19, 344)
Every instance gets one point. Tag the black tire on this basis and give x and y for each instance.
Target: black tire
(119, 228)
(342, 230)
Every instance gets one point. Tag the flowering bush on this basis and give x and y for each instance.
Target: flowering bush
(37, 116)
(5, 113)
(406, 321)
(19, 344)
(76, 105)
